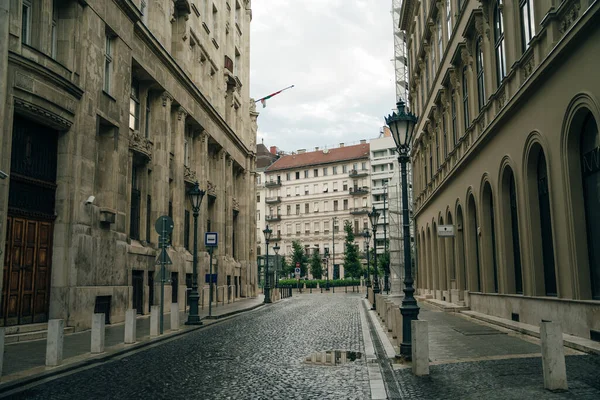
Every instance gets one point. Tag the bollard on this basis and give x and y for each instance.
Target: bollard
(321, 290)
(553, 356)
(2, 335)
(389, 317)
(398, 325)
(174, 316)
(420, 348)
(154, 317)
(54, 342)
(130, 325)
(97, 333)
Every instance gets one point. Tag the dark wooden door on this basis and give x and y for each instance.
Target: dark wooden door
(137, 279)
(25, 290)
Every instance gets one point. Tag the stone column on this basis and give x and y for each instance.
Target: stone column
(54, 342)
(420, 347)
(178, 184)
(98, 331)
(130, 326)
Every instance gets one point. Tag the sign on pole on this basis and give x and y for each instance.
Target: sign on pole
(297, 271)
(211, 239)
(445, 230)
(164, 258)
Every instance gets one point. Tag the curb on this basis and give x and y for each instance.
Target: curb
(21, 382)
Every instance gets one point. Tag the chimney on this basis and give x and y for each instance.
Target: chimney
(341, 144)
(273, 150)
(301, 151)
(363, 141)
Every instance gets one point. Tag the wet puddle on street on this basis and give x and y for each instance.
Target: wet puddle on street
(332, 357)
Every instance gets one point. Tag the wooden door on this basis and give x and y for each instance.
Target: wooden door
(25, 290)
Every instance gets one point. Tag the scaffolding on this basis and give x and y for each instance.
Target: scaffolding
(400, 60)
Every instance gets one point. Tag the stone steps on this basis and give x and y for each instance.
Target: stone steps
(24, 333)
(444, 305)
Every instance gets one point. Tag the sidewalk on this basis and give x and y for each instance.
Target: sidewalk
(26, 359)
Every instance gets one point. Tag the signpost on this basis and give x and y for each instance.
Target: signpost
(445, 230)
(164, 227)
(211, 240)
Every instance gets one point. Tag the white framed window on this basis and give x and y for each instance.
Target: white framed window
(316, 188)
(26, 22)
(134, 105)
(305, 189)
(108, 60)
(449, 18)
(316, 206)
(335, 186)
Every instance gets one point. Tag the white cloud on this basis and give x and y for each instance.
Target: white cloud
(338, 54)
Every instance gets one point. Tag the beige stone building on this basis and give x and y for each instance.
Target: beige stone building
(506, 150)
(109, 111)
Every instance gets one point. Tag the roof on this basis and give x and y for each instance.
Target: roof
(326, 156)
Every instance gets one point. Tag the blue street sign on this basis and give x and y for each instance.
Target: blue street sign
(211, 239)
(207, 278)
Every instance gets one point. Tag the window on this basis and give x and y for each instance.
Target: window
(305, 173)
(108, 59)
(465, 93)
(437, 150)
(316, 206)
(315, 172)
(289, 210)
(344, 169)
(325, 188)
(287, 176)
(345, 204)
(297, 174)
(325, 205)
(147, 121)
(335, 186)
(364, 166)
(258, 198)
(453, 110)
(287, 192)
(425, 169)
(499, 43)
(445, 133)
(335, 205)
(297, 229)
(134, 105)
(449, 18)
(26, 22)
(317, 227)
(186, 152)
(306, 208)
(134, 221)
(334, 170)
(316, 188)
(54, 33)
(430, 162)
(527, 23)
(305, 189)
(297, 190)
(258, 179)
(480, 74)
(325, 171)
(355, 166)
(440, 38)
(326, 226)
(297, 209)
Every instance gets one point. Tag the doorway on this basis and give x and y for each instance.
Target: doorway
(137, 281)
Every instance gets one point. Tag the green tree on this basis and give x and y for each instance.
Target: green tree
(286, 268)
(316, 268)
(352, 266)
(299, 256)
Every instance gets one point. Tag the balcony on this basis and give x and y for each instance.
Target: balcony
(359, 190)
(272, 183)
(273, 200)
(276, 237)
(360, 233)
(359, 210)
(271, 218)
(358, 173)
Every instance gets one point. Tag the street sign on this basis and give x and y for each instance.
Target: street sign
(208, 276)
(445, 230)
(164, 223)
(297, 271)
(211, 239)
(163, 257)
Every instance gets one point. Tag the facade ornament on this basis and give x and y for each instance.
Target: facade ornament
(235, 204)
(211, 189)
(181, 113)
(502, 98)
(166, 96)
(485, 6)
(465, 56)
(228, 159)
(203, 136)
(189, 175)
(528, 67)
(454, 79)
(140, 144)
(569, 17)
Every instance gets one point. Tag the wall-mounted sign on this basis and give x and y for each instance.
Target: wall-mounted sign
(445, 230)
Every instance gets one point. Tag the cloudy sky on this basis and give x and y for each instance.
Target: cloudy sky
(338, 55)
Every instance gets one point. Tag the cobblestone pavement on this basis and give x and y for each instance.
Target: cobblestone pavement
(257, 355)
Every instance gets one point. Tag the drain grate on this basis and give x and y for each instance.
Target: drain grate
(478, 331)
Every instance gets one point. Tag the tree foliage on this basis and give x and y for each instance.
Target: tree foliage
(316, 267)
(352, 265)
(299, 256)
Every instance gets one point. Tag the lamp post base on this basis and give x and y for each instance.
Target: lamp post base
(193, 317)
(193, 320)
(267, 296)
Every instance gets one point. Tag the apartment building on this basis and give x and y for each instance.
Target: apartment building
(310, 195)
(506, 151)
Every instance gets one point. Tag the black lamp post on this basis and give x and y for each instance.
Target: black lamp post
(386, 267)
(367, 235)
(267, 233)
(374, 217)
(276, 249)
(402, 125)
(196, 195)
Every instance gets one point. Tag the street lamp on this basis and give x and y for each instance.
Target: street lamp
(195, 195)
(386, 267)
(402, 125)
(267, 289)
(374, 217)
(367, 235)
(276, 250)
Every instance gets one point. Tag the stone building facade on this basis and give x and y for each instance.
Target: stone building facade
(506, 150)
(110, 111)
(310, 195)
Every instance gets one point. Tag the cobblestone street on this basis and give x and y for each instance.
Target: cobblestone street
(259, 354)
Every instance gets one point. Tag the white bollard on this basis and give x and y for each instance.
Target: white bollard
(154, 320)
(2, 332)
(98, 333)
(420, 348)
(398, 325)
(174, 316)
(54, 342)
(130, 326)
(388, 316)
(553, 356)
(392, 324)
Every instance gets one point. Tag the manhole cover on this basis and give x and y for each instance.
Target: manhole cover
(332, 357)
(475, 331)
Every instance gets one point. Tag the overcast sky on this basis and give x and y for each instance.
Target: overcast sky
(338, 55)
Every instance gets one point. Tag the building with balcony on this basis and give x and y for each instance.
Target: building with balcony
(109, 113)
(311, 196)
(506, 151)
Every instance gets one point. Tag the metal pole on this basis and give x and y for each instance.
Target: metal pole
(163, 261)
(193, 317)
(375, 268)
(386, 267)
(210, 283)
(367, 272)
(409, 308)
(267, 287)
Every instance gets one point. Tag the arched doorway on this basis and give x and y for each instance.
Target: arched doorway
(473, 246)
(443, 264)
(461, 271)
(488, 239)
(546, 225)
(450, 255)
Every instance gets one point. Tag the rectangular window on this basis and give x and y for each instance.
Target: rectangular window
(297, 174)
(289, 210)
(287, 192)
(108, 59)
(258, 198)
(440, 38)
(345, 185)
(26, 22)
(334, 170)
(527, 22)
(326, 226)
(147, 121)
(134, 105)
(306, 208)
(335, 205)
(287, 176)
(449, 18)
(335, 186)
(297, 209)
(325, 205)
(453, 110)
(305, 173)
(325, 171)
(186, 152)
(297, 190)
(317, 227)
(344, 169)
(305, 189)
(445, 133)
(307, 228)
(316, 172)
(297, 229)
(316, 206)
(316, 188)
(134, 217)
(345, 204)
(325, 188)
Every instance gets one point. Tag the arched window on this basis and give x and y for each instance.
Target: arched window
(473, 237)
(527, 23)
(489, 235)
(465, 93)
(590, 150)
(499, 43)
(480, 74)
(546, 226)
(516, 244)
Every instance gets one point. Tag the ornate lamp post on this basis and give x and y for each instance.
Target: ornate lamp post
(267, 289)
(374, 217)
(195, 195)
(276, 250)
(402, 125)
(367, 235)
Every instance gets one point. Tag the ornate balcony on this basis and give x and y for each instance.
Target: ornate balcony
(211, 189)
(235, 205)
(359, 190)
(273, 200)
(358, 173)
(189, 175)
(141, 145)
(359, 210)
(272, 183)
(272, 218)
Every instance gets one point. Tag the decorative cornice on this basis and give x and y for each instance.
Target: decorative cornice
(166, 96)
(189, 175)
(181, 113)
(39, 112)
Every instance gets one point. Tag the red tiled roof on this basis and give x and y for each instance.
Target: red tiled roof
(318, 157)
